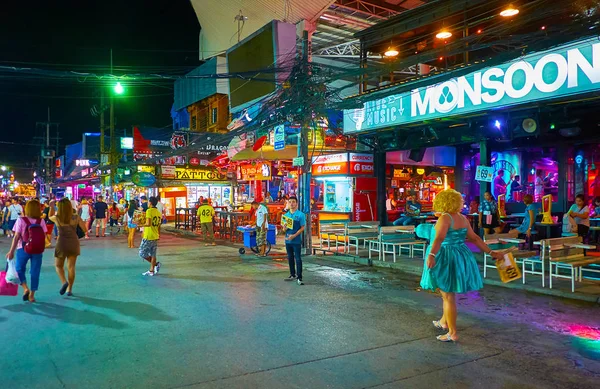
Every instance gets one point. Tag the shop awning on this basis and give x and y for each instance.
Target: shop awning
(266, 153)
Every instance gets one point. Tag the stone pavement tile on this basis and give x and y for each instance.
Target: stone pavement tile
(362, 368)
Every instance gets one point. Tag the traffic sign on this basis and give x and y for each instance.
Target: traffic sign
(279, 143)
(298, 161)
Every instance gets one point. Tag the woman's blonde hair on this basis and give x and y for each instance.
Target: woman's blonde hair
(65, 211)
(448, 201)
(33, 209)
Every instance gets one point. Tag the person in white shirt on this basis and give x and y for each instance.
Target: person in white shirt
(262, 226)
(15, 211)
(161, 207)
(538, 186)
(580, 213)
(390, 203)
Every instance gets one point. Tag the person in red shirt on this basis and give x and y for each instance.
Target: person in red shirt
(114, 215)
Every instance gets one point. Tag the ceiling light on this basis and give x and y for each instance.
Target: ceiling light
(543, 27)
(479, 31)
(391, 52)
(444, 34)
(509, 11)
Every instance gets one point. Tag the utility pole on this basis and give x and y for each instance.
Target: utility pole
(303, 149)
(113, 150)
(46, 153)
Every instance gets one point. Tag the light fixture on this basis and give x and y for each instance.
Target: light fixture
(479, 31)
(391, 52)
(444, 34)
(119, 88)
(497, 124)
(441, 58)
(509, 11)
(543, 27)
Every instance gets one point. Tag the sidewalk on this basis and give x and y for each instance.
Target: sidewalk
(587, 290)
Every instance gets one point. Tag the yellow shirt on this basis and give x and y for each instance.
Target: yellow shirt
(206, 213)
(152, 232)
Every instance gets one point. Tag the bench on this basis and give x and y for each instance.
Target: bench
(329, 230)
(525, 258)
(568, 254)
(360, 231)
(390, 238)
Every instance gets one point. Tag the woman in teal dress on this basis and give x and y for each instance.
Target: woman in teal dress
(450, 265)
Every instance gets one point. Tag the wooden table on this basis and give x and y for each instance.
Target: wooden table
(548, 228)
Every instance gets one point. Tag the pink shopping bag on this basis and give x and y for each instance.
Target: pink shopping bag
(7, 289)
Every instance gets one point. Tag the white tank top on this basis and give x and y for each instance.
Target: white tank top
(85, 212)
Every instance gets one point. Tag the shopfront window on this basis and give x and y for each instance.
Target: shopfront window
(337, 194)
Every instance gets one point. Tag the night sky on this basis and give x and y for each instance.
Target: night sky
(145, 35)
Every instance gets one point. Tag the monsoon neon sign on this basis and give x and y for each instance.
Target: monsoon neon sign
(563, 71)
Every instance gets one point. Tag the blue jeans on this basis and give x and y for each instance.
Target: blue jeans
(404, 221)
(294, 252)
(34, 271)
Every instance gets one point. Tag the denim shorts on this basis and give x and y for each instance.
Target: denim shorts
(148, 248)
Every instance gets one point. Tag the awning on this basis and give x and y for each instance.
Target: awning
(266, 153)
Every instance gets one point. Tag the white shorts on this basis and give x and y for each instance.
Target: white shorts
(100, 223)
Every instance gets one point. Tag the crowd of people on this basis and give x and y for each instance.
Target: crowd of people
(34, 224)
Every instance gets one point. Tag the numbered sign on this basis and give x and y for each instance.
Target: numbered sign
(484, 173)
(508, 269)
(287, 222)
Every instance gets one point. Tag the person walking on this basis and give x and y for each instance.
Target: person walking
(15, 211)
(206, 213)
(293, 240)
(29, 243)
(131, 225)
(450, 266)
(5, 220)
(149, 245)
(114, 215)
(100, 209)
(85, 213)
(262, 226)
(46, 213)
(67, 245)
(488, 214)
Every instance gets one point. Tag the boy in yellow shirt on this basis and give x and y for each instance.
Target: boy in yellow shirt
(149, 243)
(206, 213)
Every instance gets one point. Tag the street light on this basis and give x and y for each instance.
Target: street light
(444, 34)
(391, 52)
(119, 88)
(509, 11)
(3, 168)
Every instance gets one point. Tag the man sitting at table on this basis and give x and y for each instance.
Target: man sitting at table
(412, 209)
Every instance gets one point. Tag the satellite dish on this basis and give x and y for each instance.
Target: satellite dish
(529, 125)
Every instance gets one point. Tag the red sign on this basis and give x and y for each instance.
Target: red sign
(194, 161)
(332, 168)
(361, 164)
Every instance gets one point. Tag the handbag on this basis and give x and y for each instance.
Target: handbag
(6, 288)
(80, 232)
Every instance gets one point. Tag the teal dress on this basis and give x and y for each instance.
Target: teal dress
(455, 269)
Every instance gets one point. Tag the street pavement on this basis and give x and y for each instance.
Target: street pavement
(213, 319)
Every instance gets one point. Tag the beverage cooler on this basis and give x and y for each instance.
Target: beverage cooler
(347, 185)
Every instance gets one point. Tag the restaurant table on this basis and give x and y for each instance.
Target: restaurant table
(228, 222)
(594, 221)
(549, 229)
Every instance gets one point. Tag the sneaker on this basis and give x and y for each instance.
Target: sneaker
(291, 278)
(148, 273)
(157, 268)
(300, 282)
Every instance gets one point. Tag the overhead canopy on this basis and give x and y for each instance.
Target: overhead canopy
(220, 27)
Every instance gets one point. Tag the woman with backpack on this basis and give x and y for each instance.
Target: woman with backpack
(67, 246)
(29, 243)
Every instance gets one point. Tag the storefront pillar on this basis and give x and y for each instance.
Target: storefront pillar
(459, 173)
(562, 161)
(379, 167)
(485, 156)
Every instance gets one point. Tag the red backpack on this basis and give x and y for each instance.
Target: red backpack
(34, 238)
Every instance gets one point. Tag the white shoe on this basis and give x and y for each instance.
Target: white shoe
(148, 273)
(157, 268)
